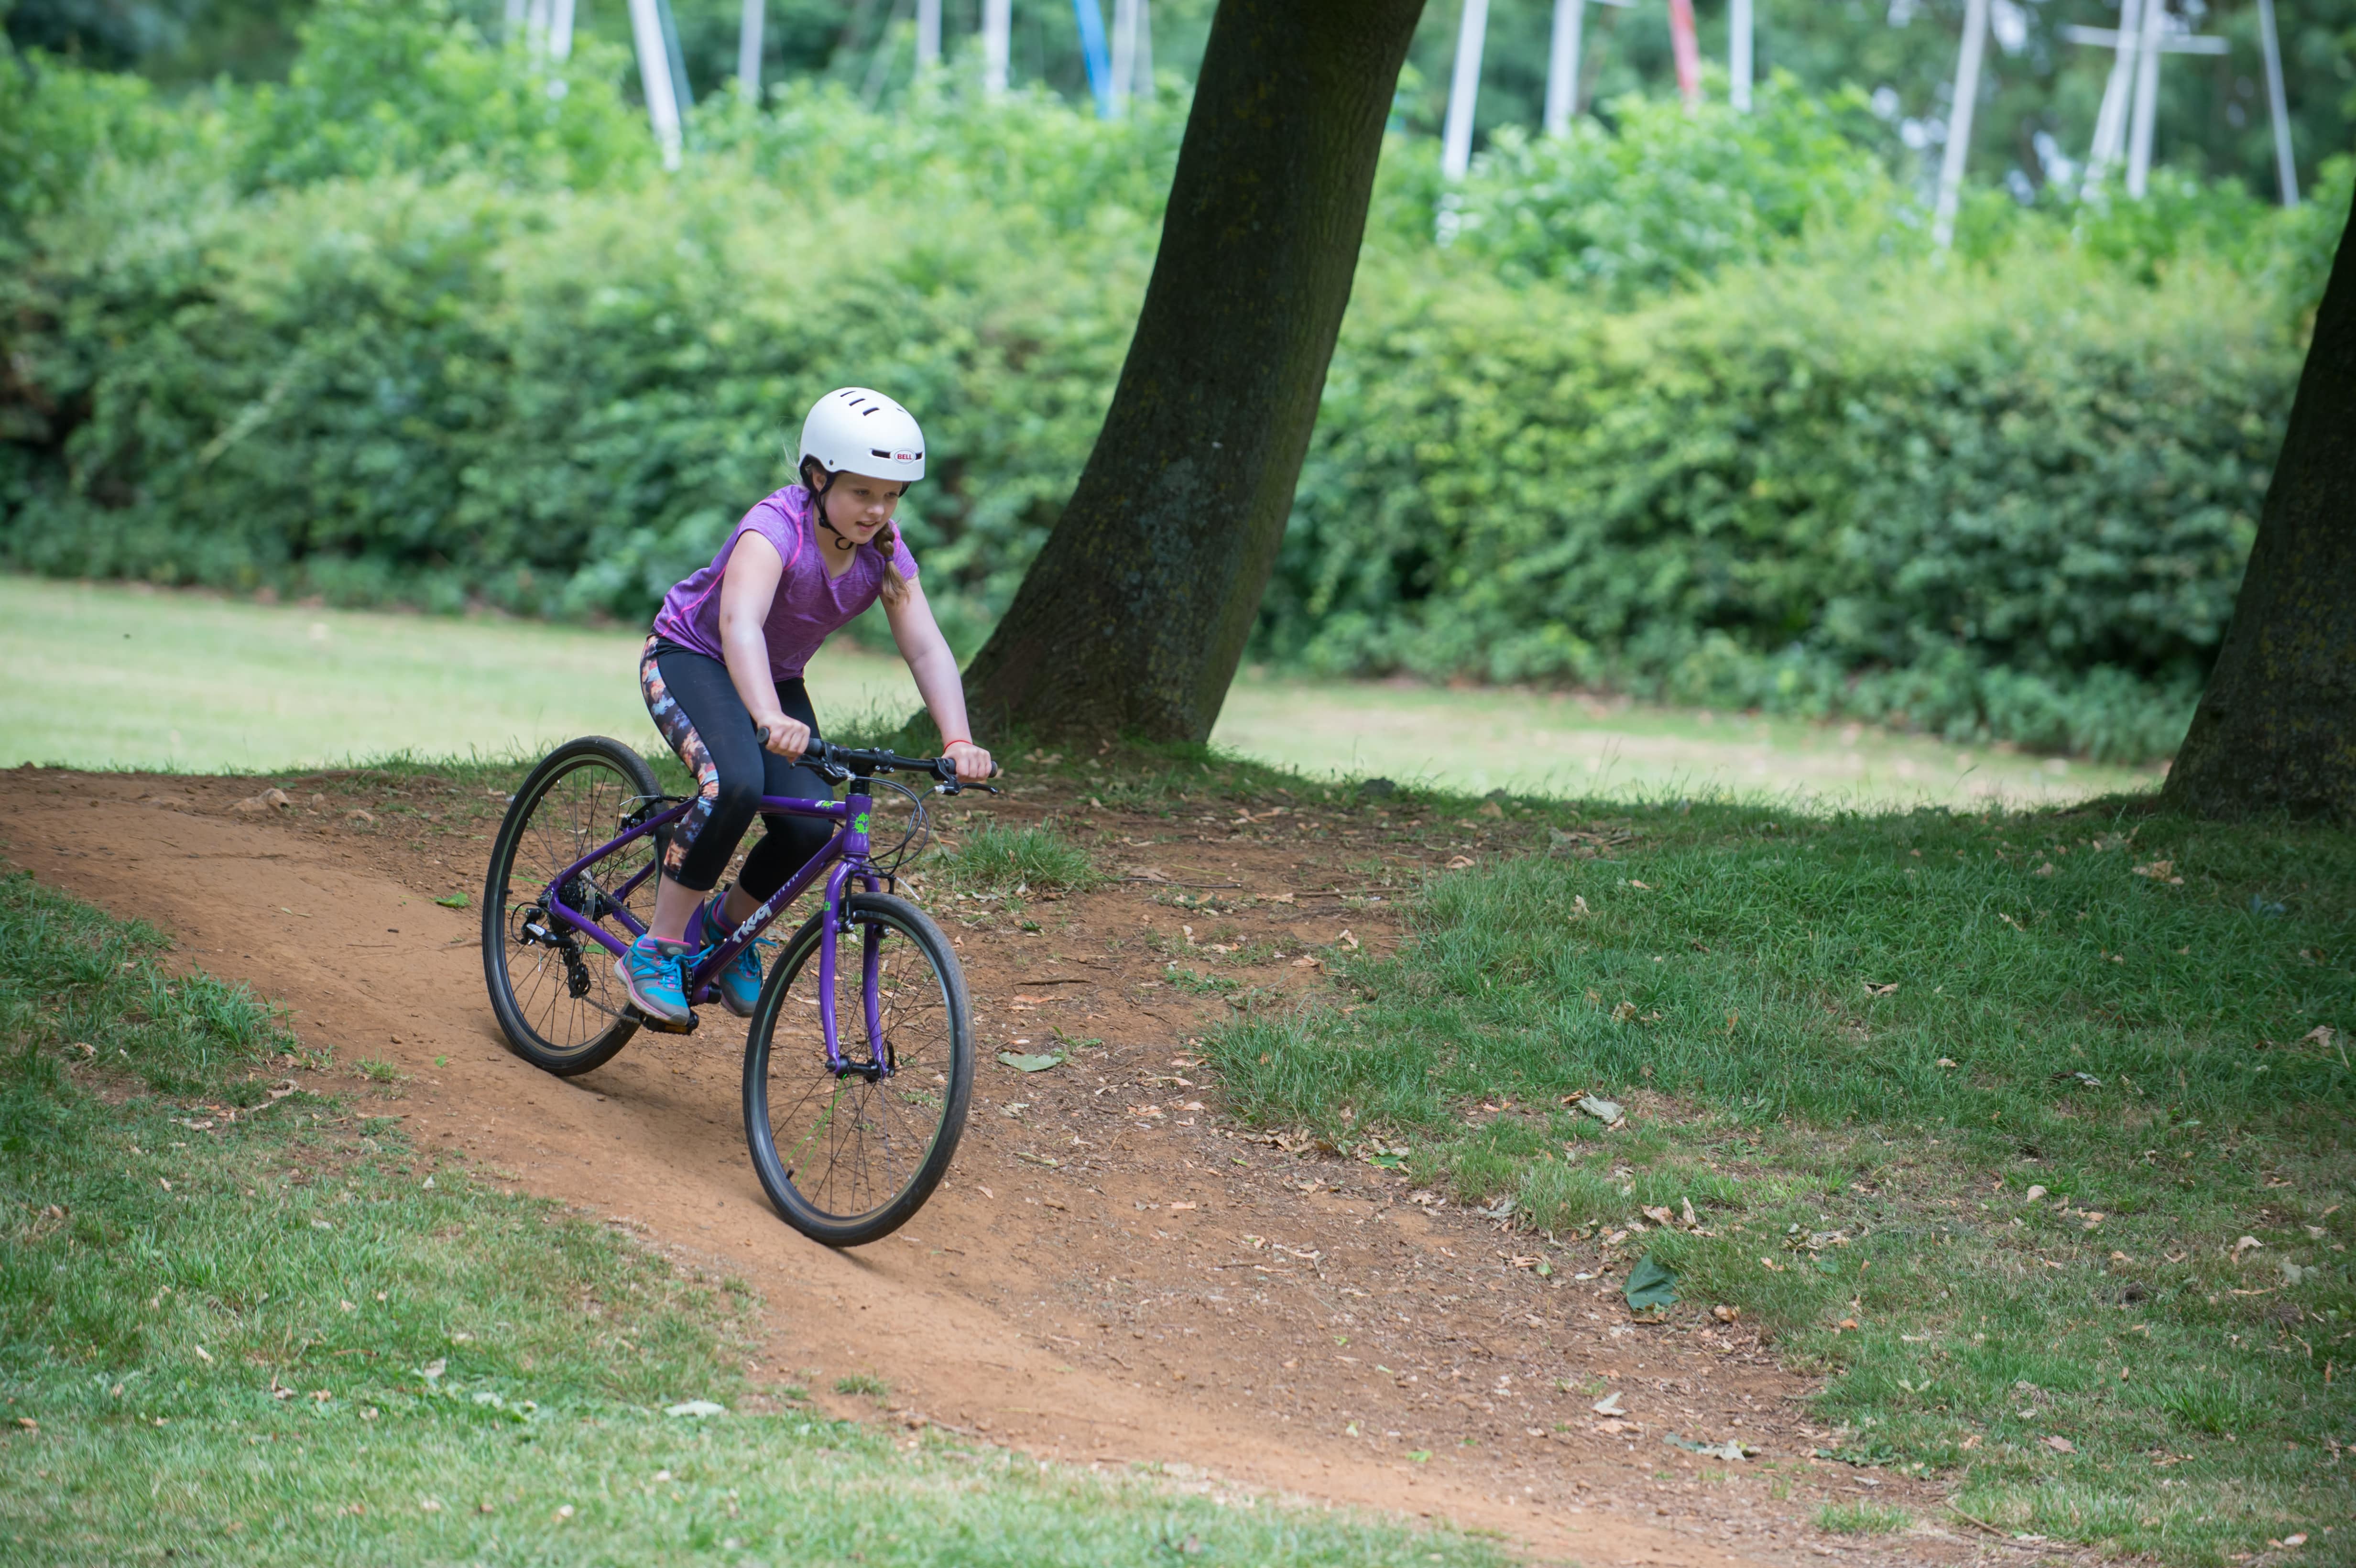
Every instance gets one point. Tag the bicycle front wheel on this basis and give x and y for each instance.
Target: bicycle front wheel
(849, 1154)
(552, 989)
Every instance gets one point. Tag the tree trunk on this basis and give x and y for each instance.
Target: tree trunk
(2276, 729)
(1135, 615)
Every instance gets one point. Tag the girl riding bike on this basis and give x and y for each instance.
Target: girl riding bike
(722, 676)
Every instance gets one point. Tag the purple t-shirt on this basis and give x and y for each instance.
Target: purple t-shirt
(809, 606)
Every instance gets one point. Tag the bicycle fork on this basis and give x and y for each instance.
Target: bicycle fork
(879, 1062)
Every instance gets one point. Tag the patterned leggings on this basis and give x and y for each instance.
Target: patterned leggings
(696, 707)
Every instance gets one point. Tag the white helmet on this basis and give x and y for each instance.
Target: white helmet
(860, 432)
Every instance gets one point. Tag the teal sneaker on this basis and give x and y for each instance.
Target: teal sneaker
(739, 984)
(650, 973)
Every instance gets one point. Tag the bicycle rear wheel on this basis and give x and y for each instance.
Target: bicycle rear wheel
(552, 989)
(849, 1154)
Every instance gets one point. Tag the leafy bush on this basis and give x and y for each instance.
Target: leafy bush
(381, 89)
(1672, 195)
(1678, 408)
(2016, 510)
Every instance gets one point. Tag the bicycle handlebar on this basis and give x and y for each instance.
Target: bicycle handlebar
(855, 763)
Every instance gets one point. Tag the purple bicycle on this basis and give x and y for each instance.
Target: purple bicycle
(857, 1069)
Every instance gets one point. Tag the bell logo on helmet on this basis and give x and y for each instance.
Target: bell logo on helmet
(903, 457)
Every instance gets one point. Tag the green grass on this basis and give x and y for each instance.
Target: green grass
(1859, 1047)
(988, 859)
(243, 1327)
(114, 675)
(1862, 1519)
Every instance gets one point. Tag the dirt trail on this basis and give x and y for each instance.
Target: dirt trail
(1112, 1272)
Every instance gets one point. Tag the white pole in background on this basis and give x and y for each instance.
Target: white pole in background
(535, 28)
(2278, 104)
(997, 43)
(928, 34)
(1124, 53)
(748, 52)
(2146, 100)
(654, 79)
(1142, 78)
(1562, 65)
(2111, 120)
(1959, 125)
(1463, 87)
(1738, 55)
(560, 30)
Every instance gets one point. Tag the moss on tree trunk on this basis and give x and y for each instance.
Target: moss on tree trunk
(1134, 617)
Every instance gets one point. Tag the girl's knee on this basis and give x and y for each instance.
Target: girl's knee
(734, 799)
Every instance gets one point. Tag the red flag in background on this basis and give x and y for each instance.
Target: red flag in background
(1688, 50)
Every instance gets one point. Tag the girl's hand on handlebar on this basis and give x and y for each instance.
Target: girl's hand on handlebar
(788, 737)
(972, 763)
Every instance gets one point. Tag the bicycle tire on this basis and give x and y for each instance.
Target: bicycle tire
(936, 1068)
(591, 1019)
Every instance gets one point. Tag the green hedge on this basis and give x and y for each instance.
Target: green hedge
(1774, 461)
(2013, 506)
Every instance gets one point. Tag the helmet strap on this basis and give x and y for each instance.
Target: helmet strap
(818, 503)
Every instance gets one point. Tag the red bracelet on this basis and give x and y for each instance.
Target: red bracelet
(961, 741)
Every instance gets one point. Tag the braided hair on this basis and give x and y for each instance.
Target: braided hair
(895, 587)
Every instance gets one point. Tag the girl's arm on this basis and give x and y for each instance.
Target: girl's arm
(937, 681)
(746, 589)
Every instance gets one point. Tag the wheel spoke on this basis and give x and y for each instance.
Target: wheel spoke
(569, 814)
(850, 1145)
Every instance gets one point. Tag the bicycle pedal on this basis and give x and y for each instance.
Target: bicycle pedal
(664, 1026)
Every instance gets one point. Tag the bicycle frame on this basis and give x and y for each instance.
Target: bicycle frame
(843, 858)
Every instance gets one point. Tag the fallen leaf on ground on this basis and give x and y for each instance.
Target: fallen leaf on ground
(1023, 1062)
(1726, 1314)
(2060, 1446)
(695, 1407)
(1609, 1405)
(1652, 1285)
(1873, 990)
(454, 901)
